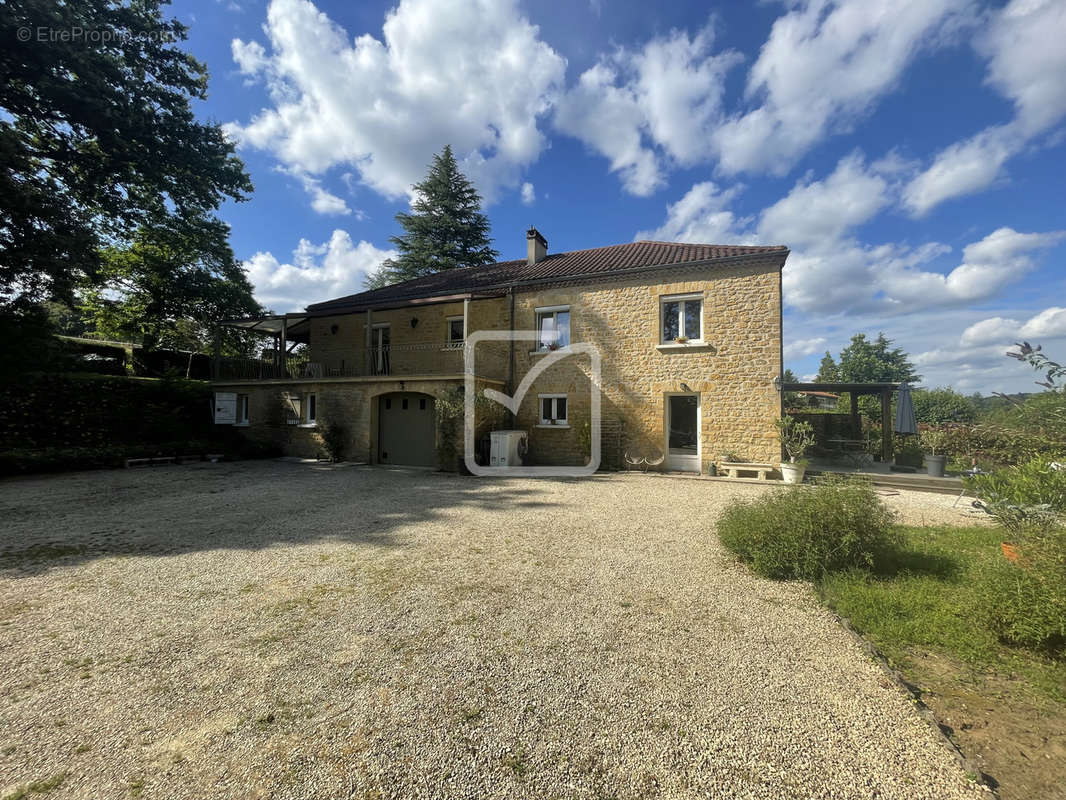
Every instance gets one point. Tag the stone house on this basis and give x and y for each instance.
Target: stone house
(688, 335)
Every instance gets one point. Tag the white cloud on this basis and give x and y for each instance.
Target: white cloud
(649, 109)
(316, 273)
(1049, 322)
(822, 211)
(995, 330)
(703, 215)
(961, 168)
(1026, 64)
(831, 271)
(798, 348)
(824, 65)
(529, 195)
(471, 74)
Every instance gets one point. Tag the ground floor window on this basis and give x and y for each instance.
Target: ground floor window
(242, 409)
(310, 406)
(552, 409)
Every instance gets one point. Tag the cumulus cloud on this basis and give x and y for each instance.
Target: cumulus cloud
(797, 348)
(832, 271)
(703, 215)
(824, 65)
(1027, 65)
(383, 107)
(649, 109)
(316, 272)
(820, 211)
(529, 195)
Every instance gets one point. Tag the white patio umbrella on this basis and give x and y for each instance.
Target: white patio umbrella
(905, 421)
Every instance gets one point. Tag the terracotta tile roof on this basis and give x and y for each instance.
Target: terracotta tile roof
(596, 263)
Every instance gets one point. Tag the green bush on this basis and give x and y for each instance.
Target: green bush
(1025, 602)
(1033, 483)
(335, 440)
(803, 532)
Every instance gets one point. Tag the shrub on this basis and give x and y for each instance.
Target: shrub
(803, 532)
(797, 437)
(1030, 497)
(334, 439)
(1025, 603)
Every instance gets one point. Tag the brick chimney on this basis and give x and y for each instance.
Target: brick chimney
(536, 246)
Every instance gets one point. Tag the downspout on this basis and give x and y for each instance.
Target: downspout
(510, 366)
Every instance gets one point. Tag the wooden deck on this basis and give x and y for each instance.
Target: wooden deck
(918, 481)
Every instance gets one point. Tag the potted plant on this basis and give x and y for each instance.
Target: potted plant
(681, 339)
(932, 441)
(796, 438)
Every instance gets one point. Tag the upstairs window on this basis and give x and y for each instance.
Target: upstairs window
(455, 331)
(553, 327)
(682, 318)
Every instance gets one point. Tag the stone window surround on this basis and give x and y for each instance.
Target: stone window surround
(697, 343)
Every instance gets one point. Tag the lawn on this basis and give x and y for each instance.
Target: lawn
(922, 608)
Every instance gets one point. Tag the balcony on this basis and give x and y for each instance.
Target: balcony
(395, 360)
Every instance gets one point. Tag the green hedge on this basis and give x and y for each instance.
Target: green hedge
(61, 421)
(82, 410)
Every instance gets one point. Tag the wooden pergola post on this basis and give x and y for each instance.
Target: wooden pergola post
(856, 428)
(281, 350)
(886, 425)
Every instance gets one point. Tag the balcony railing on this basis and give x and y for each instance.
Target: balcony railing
(424, 358)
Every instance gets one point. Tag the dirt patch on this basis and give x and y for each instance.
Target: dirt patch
(1016, 738)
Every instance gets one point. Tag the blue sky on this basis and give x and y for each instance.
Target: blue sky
(912, 156)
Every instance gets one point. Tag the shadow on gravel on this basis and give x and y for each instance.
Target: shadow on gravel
(58, 521)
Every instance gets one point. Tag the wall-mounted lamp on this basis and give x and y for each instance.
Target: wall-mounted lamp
(777, 383)
(414, 322)
(334, 328)
(684, 387)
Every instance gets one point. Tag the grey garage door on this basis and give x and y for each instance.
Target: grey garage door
(407, 429)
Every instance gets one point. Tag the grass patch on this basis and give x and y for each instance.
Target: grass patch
(931, 592)
(36, 787)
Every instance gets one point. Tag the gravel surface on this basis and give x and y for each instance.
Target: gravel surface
(272, 629)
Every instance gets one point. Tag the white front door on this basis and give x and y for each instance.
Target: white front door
(683, 432)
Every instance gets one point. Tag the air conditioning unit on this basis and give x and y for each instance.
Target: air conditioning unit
(508, 448)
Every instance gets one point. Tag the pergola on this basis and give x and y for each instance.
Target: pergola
(885, 390)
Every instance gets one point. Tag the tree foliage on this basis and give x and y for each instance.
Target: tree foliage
(445, 229)
(98, 139)
(827, 370)
(863, 361)
(170, 287)
(941, 406)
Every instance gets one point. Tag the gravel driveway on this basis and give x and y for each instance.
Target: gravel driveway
(273, 629)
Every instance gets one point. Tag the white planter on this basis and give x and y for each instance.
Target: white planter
(793, 473)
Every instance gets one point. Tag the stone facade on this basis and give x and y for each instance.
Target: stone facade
(731, 370)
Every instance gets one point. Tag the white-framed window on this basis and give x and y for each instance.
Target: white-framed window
(242, 409)
(681, 318)
(310, 408)
(553, 327)
(552, 409)
(455, 331)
